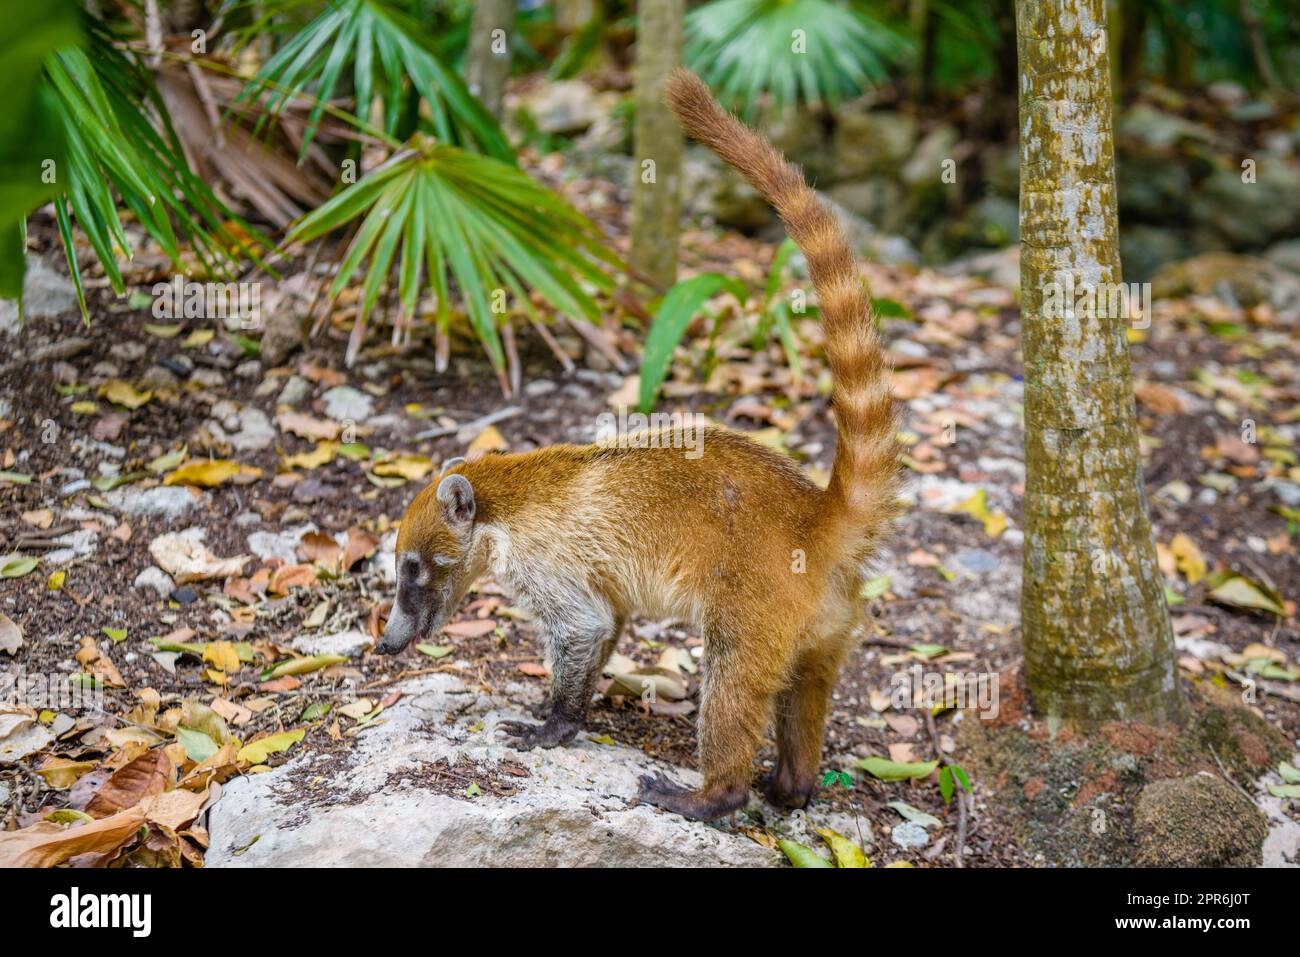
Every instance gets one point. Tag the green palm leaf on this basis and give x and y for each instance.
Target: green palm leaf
(388, 56)
(817, 51)
(439, 213)
(121, 144)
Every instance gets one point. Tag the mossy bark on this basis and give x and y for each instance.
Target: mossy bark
(1098, 645)
(487, 61)
(657, 143)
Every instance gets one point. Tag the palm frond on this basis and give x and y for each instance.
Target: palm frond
(814, 51)
(439, 213)
(388, 56)
(120, 143)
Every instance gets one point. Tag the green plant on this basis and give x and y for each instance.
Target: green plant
(949, 774)
(391, 63)
(120, 143)
(816, 51)
(455, 215)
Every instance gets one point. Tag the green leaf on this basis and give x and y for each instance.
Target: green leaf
(887, 770)
(874, 588)
(1290, 774)
(198, 746)
(316, 711)
(962, 777)
(435, 651)
(801, 855)
(302, 666)
(742, 49)
(915, 813)
(497, 230)
(1246, 593)
(391, 62)
(679, 306)
(945, 784)
(1284, 790)
(16, 566)
(118, 635)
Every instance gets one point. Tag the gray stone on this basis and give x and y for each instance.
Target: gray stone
(344, 403)
(76, 544)
(165, 501)
(282, 545)
(873, 141)
(47, 294)
(1285, 254)
(347, 643)
(909, 835)
(564, 108)
(255, 430)
(283, 333)
(1288, 492)
(539, 387)
(977, 560)
(379, 806)
(295, 390)
(155, 578)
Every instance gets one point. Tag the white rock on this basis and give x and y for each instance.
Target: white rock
(155, 578)
(575, 808)
(165, 501)
(76, 544)
(348, 643)
(255, 431)
(282, 545)
(344, 403)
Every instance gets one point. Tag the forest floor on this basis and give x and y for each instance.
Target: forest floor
(342, 457)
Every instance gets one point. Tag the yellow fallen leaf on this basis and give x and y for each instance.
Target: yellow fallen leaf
(210, 473)
(163, 332)
(222, 655)
(123, 393)
(323, 452)
(85, 407)
(55, 581)
(1188, 558)
(256, 752)
(995, 524)
(199, 337)
(409, 467)
(489, 440)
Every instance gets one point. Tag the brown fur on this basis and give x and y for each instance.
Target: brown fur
(737, 540)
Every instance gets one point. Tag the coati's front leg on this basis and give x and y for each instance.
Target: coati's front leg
(578, 650)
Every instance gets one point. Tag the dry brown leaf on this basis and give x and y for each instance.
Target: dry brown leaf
(48, 844)
(147, 775)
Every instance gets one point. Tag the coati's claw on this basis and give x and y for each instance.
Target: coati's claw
(550, 734)
(782, 795)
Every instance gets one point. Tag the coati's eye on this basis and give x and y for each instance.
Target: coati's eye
(411, 567)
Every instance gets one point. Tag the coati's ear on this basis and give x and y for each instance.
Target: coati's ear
(450, 464)
(456, 497)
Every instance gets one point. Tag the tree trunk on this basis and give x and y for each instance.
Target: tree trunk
(657, 143)
(1098, 645)
(487, 62)
(923, 32)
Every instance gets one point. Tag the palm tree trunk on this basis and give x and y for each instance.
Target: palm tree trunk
(657, 142)
(1098, 645)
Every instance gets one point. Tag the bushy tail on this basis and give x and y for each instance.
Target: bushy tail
(864, 481)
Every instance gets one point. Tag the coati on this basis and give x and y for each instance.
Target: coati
(737, 540)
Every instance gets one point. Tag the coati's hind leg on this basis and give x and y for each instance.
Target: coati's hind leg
(578, 645)
(736, 702)
(801, 725)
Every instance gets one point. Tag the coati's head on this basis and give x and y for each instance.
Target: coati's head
(435, 564)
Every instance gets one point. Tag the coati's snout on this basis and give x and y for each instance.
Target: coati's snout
(432, 563)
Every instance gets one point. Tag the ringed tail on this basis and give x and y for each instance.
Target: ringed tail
(864, 481)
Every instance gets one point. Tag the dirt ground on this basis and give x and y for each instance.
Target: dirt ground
(952, 577)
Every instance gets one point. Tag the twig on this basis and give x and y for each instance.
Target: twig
(481, 423)
(959, 792)
(1228, 777)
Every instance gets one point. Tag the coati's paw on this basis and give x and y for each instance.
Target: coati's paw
(551, 733)
(661, 791)
(785, 794)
